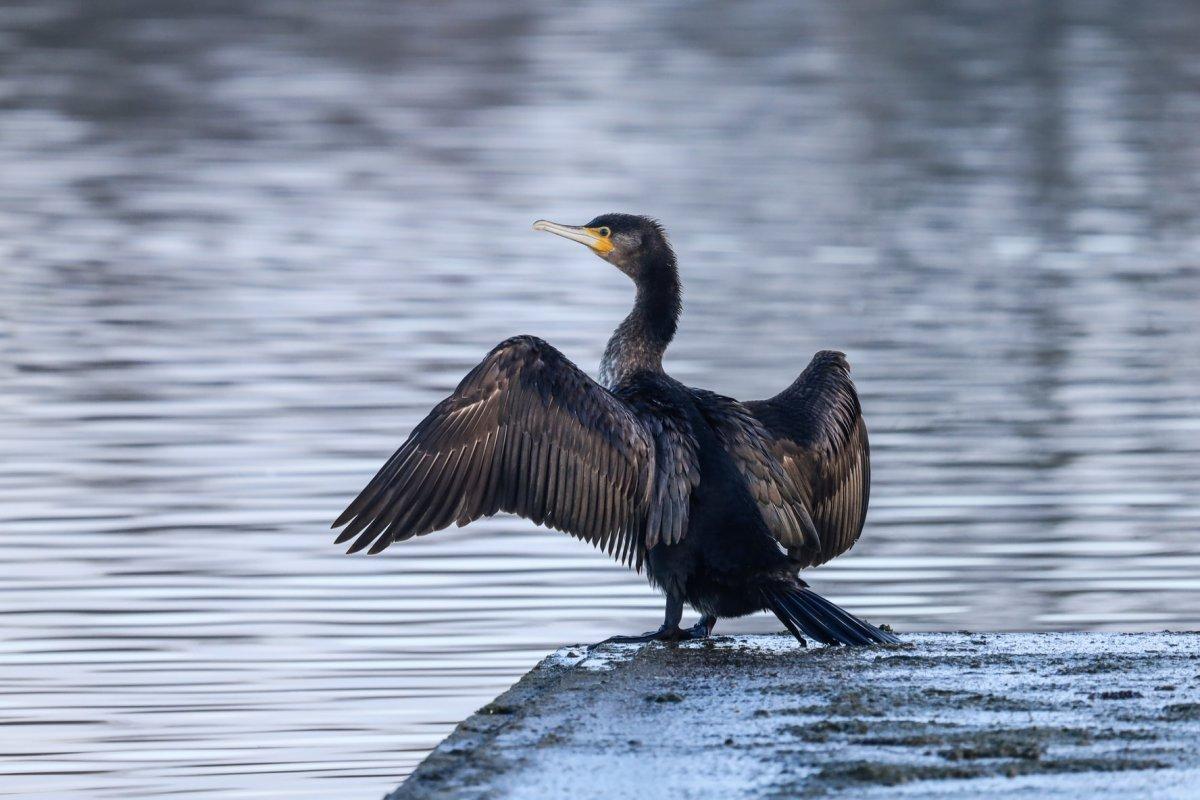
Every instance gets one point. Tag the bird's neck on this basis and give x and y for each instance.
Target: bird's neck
(638, 343)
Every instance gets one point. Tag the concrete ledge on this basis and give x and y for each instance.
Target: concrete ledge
(943, 715)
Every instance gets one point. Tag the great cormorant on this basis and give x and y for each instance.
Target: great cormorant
(721, 501)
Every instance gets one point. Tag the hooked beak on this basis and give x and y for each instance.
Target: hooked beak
(577, 233)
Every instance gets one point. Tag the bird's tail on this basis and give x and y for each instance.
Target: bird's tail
(806, 613)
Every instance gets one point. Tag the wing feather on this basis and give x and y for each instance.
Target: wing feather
(526, 431)
(819, 437)
(780, 501)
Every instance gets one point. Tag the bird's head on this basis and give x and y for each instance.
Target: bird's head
(635, 245)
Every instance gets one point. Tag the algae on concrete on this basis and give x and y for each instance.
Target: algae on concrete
(943, 715)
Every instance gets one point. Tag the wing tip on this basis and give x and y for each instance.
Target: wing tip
(382, 544)
(828, 358)
(344, 517)
(358, 545)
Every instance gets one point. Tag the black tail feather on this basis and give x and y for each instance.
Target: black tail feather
(840, 629)
(787, 621)
(817, 626)
(850, 624)
(799, 623)
(802, 609)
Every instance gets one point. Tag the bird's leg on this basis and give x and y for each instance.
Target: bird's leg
(669, 631)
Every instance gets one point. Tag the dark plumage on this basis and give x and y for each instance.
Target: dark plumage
(721, 501)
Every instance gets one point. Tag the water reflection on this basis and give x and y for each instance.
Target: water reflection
(244, 249)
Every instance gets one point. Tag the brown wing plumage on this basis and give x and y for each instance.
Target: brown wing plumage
(780, 501)
(676, 476)
(527, 432)
(819, 436)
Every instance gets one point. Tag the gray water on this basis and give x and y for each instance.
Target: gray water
(243, 249)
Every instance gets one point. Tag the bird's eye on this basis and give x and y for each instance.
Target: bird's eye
(605, 232)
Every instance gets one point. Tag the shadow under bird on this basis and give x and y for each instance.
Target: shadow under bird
(722, 502)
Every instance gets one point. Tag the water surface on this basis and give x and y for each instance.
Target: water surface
(244, 249)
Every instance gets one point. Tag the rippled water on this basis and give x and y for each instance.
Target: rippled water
(243, 250)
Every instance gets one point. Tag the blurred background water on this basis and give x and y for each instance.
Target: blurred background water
(244, 246)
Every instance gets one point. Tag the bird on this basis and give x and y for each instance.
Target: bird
(722, 503)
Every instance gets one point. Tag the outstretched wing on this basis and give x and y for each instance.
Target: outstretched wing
(528, 432)
(820, 439)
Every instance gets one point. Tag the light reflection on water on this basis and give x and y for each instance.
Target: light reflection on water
(243, 252)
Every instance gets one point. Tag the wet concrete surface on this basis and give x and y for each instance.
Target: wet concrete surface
(942, 715)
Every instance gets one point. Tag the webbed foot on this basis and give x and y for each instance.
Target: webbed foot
(702, 629)
(665, 633)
